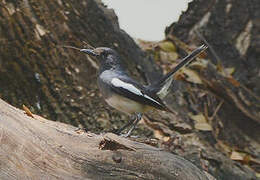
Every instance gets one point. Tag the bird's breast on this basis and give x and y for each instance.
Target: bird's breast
(125, 105)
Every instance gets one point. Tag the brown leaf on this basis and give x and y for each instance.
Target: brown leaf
(27, 111)
(241, 156)
(201, 122)
(199, 118)
(159, 135)
(203, 126)
(237, 156)
(192, 76)
(233, 81)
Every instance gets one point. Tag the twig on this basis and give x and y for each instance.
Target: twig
(88, 45)
(92, 62)
(216, 110)
(210, 47)
(71, 47)
(212, 50)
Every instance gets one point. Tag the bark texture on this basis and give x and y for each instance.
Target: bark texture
(55, 82)
(35, 148)
(231, 30)
(224, 90)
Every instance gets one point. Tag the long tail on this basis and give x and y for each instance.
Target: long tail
(161, 87)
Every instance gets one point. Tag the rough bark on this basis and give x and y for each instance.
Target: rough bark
(230, 29)
(55, 82)
(35, 148)
(229, 102)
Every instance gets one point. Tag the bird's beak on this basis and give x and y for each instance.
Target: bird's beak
(89, 52)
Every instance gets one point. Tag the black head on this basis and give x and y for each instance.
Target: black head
(107, 57)
(100, 52)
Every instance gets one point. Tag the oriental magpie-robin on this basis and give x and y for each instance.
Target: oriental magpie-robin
(127, 95)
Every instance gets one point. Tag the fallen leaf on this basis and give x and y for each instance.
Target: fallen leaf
(27, 111)
(80, 131)
(192, 76)
(166, 138)
(201, 64)
(240, 156)
(167, 46)
(203, 126)
(40, 30)
(199, 118)
(230, 70)
(159, 135)
(168, 56)
(236, 156)
(257, 175)
(233, 81)
(201, 122)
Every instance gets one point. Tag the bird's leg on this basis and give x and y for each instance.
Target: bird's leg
(132, 120)
(137, 119)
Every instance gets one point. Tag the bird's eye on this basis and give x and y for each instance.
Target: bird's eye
(104, 54)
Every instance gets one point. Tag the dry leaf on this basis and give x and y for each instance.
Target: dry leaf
(233, 81)
(159, 135)
(201, 122)
(27, 111)
(227, 72)
(40, 30)
(168, 56)
(166, 138)
(237, 156)
(257, 175)
(167, 46)
(203, 126)
(201, 64)
(199, 118)
(240, 156)
(80, 131)
(230, 70)
(192, 76)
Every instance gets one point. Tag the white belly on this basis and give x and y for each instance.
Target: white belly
(125, 105)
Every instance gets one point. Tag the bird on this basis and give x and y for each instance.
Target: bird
(126, 94)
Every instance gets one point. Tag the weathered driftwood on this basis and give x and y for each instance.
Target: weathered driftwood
(36, 148)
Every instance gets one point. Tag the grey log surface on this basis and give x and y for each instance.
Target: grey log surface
(36, 148)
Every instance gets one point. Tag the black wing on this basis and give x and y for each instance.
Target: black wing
(130, 89)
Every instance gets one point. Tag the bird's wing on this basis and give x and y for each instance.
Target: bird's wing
(162, 86)
(130, 89)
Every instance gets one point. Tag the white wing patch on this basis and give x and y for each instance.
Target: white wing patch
(130, 87)
(165, 89)
(118, 83)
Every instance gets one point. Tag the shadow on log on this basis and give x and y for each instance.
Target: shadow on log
(33, 147)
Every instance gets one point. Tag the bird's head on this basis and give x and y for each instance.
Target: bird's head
(106, 56)
(101, 53)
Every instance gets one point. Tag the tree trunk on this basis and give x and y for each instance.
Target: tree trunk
(223, 90)
(57, 82)
(230, 28)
